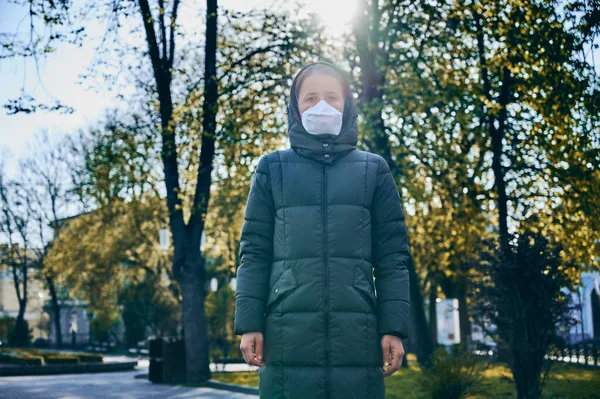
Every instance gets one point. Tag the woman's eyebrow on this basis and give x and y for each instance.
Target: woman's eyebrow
(312, 93)
(309, 94)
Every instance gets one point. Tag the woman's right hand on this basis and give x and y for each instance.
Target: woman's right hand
(252, 348)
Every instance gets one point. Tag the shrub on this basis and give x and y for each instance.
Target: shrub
(60, 359)
(20, 334)
(7, 325)
(522, 298)
(453, 375)
(38, 357)
(22, 359)
(90, 357)
(216, 354)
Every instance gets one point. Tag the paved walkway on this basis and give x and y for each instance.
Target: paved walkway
(120, 385)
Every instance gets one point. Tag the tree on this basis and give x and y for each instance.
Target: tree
(15, 225)
(110, 254)
(527, 321)
(44, 172)
(379, 28)
(446, 88)
(52, 16)
(148, 307)
(188, 262)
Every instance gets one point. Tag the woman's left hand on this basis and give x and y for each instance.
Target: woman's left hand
(393, 352)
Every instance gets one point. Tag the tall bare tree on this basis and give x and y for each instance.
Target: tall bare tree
(188, 263)
(45, 173)
(15, 227)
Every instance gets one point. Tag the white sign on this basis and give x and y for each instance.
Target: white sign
(164, 239)
(448, 322)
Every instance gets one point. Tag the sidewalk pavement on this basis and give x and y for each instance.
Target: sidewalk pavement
(120, 385)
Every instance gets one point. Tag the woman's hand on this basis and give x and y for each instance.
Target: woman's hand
(393, 352)
(252, 348)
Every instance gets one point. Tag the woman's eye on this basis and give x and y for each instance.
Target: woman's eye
(310, 99)
(333, 98)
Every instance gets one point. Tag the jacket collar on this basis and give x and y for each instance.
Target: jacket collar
(325, 148)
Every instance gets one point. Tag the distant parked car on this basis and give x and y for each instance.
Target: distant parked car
(41, 343)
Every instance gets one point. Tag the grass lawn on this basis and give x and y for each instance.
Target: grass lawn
(566, 381)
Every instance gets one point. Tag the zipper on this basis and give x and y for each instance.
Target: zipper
(325, 282)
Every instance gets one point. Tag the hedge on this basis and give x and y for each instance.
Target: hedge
(90, 357)
(29, 356)
(61, 359)
(21, 359)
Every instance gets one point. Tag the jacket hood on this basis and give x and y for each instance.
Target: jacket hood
(324, 148)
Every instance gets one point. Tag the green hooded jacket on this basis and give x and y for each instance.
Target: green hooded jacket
(324, 249)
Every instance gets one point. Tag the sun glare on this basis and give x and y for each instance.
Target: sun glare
(336, 15)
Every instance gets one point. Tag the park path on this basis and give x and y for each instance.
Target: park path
(121, 385)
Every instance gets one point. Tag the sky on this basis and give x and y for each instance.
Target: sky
(58, 76)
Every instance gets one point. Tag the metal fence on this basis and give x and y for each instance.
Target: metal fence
(584, 354)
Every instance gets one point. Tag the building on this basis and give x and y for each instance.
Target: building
(74, 323)
(36, 294)
(585, 309)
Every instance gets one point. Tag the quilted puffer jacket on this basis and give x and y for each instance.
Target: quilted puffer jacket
(324, 249)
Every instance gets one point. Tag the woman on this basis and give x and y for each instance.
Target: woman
(322, 219)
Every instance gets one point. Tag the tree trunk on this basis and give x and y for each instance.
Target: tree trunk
(20, 336)
(196, 335)
(499, 173)
(463, 314)
(56, 310)
(456, 288)
(366, 31)
(433, 309)
(188, 264)
(527, 378)
(496, 129)
(192, 285)
(424, 342)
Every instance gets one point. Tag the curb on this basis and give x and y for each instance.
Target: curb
(16, 371)
(232, 387)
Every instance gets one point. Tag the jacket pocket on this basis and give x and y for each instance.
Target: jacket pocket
(364, 288)
(284, 285)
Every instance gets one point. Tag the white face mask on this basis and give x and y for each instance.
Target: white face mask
(322, 118)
